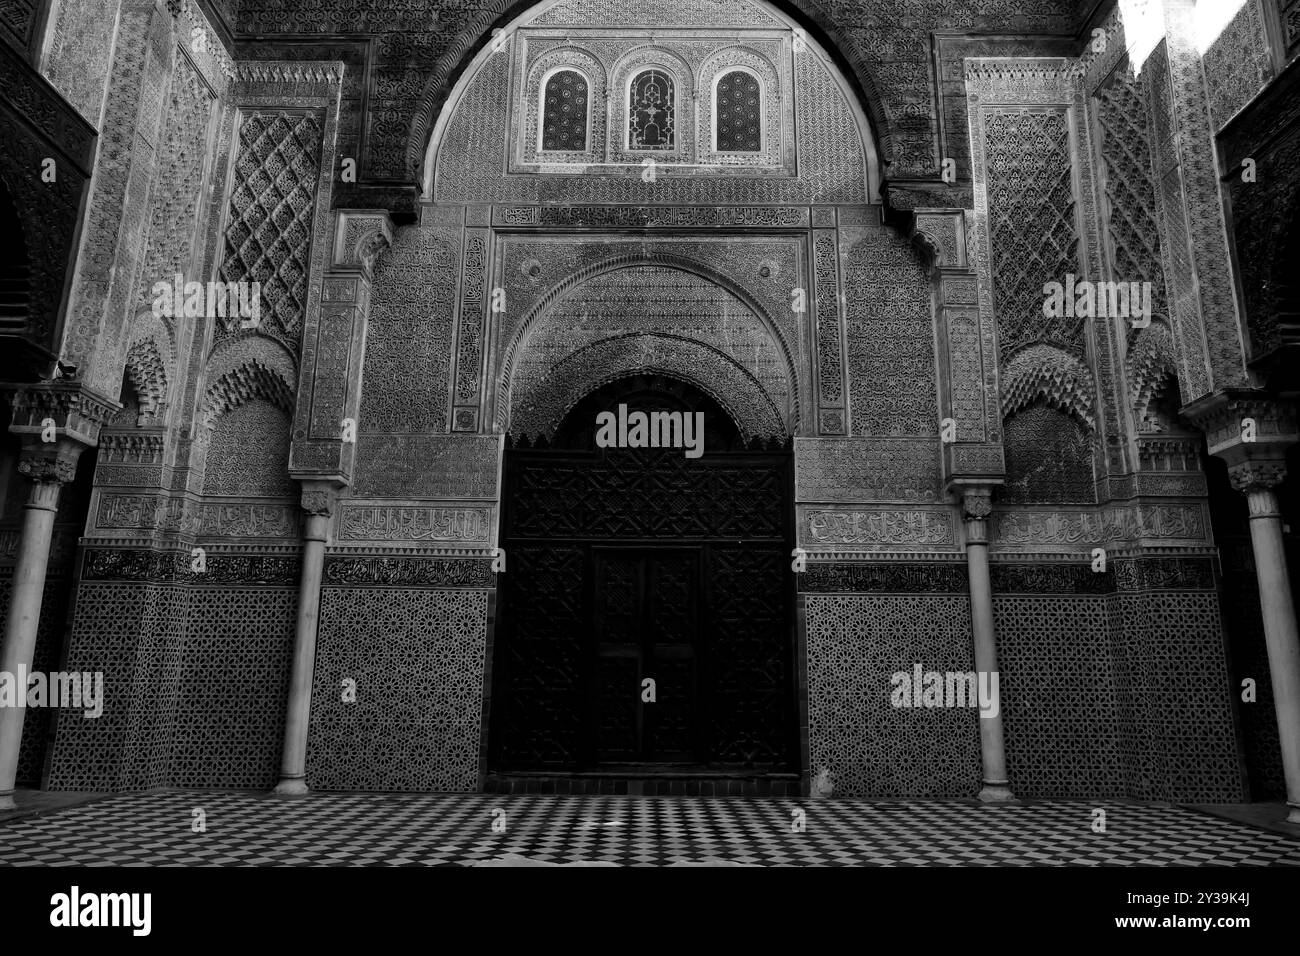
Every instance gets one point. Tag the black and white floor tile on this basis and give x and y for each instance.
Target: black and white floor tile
(247, 829)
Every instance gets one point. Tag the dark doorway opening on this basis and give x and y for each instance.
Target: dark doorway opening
(627, 565)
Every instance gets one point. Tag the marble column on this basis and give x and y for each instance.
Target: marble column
(977, 505)
(1258, 481)
(318, 503)
(47, 472)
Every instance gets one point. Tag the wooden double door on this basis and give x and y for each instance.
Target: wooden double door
(645, 621)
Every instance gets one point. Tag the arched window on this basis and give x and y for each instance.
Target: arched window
(738, 113)
(651, 121)
(564, 113)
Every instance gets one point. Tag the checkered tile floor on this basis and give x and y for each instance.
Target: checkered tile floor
(245, 829)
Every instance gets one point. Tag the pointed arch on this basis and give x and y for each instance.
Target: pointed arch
(787, 405)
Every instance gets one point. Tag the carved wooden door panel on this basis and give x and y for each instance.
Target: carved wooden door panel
(646, 628)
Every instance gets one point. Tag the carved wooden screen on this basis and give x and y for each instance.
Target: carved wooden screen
(626, 564)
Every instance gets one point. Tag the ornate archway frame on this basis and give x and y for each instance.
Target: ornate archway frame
(503, 362)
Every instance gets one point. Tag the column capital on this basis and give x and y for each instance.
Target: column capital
(50, 462)
(976, 503)
(319, 497)
(1259, 474)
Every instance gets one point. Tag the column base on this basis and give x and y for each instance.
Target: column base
(292, 787)
(1293, 814)
(7, 801)
(997, 793)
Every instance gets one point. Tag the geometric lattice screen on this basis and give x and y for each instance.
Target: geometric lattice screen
(1033, 234)
(268, 239)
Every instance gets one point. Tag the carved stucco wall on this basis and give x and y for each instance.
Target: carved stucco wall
(1237, 63)
(1203, 304)
(200, 654)
(249, 453)
(80, 51)
(168, 69)
(423, 44)
(433, 343)
(408, 342)
(832, 164)
(890, 335)
(1065, 178)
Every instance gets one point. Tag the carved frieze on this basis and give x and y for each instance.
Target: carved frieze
(1161, 573)
(1089, 529)
(77, 412)
(126, 511)
(891, 577)
(823, 529)
(424, 523)
(246, 520)
(651, 217)
(1050, 578)
(122, 564)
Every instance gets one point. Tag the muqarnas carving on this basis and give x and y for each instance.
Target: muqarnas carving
(1048, 408)
(246, 421)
